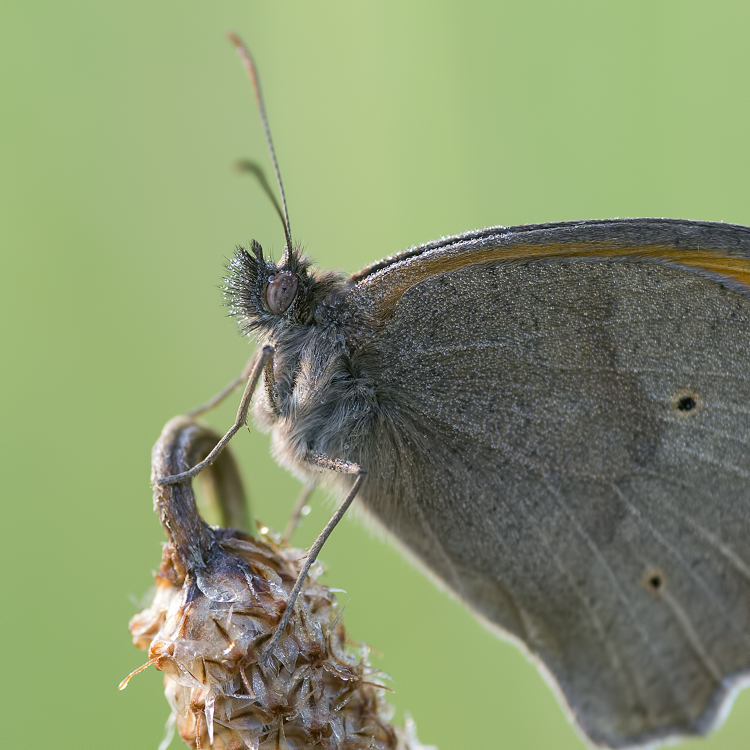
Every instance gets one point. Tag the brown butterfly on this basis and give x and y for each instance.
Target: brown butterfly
(554, 420)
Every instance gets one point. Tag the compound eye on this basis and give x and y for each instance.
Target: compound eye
(281, 291)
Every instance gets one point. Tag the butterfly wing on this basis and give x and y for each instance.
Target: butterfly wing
(564, 440)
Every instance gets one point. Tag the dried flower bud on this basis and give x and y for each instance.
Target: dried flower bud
(219, 596)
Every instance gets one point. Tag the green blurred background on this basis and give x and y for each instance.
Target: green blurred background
(395, 122)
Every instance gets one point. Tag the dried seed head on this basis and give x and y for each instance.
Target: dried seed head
(217, 604)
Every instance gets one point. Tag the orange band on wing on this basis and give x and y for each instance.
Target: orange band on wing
(402, 276)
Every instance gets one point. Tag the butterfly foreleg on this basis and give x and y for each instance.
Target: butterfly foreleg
(263, 360)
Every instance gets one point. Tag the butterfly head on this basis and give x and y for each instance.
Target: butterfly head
(264, 296)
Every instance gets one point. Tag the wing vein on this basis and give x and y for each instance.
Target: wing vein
(624, 674)
(718, 462)
(729, 554)
(616, 585)
(680, 614)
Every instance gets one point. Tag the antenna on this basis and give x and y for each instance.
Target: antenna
(245, 165)
(252, 71)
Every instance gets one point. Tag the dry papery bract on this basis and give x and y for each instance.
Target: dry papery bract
(214, 612)
(315, 690)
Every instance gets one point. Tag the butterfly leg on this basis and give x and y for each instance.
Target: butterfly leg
(332, 464)
(213, 402)
(261, 362)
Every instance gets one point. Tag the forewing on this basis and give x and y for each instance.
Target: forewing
(565, 443)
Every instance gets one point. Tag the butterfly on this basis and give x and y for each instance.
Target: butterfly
(554, 421)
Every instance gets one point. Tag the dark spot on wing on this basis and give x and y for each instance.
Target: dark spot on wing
(686, 403)
(654, 580)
